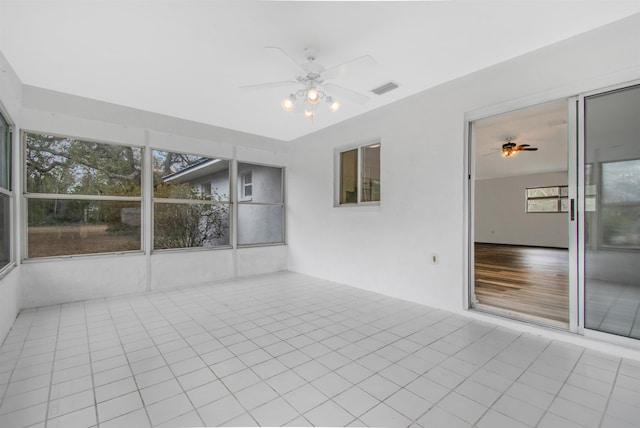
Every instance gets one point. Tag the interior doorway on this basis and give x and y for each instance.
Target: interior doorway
(520, 229)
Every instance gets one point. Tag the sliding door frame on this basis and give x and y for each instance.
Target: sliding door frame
(580, 186)
(575, 96)
(469, 297)
(575, 157)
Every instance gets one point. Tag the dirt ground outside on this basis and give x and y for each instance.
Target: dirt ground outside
(65, 240)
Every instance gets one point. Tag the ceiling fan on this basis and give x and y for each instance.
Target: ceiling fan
(510, 148)
(312, 81)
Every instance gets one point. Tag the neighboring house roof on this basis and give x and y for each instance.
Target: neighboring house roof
(202, 168)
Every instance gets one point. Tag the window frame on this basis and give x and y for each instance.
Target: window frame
(27, 196)
(8, 191)
(242, 201)
(145, 200)
(559, 198)
(205, 188)
(359, 148)
(180, 201)
(244, 185)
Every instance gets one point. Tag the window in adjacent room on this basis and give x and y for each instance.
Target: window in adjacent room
(191, 204)
(261, 206)
(83, 197)
(359, 175)
(550, 199)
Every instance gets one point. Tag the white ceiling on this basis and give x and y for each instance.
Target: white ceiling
(543, 126)
(187, 58)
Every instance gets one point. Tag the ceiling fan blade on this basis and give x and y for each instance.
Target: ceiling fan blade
(348, 67)
(530, 149)
(285, 59)
(495, 152)
(269, 85)
(523, 146)
(342, 92)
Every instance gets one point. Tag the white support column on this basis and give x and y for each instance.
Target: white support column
(147, 205)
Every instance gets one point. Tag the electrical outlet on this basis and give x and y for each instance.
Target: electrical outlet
(435, 259)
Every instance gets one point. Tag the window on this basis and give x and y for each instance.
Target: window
(370, 173)
(5, 230)
(552, 199)
(620, 204)
(261, 217)
(190, 201)
(6, 196)
(246, 186)
(205, 189)
(82, 197)
(359, 175)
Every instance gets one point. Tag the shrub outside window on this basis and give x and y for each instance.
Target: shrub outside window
(191, 203)
(82, 197)
(261, 218)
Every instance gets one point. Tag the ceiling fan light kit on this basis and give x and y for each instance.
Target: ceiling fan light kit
(312, 76)
(311, 98)
(510, 149)
(288, 103)
(334, 105)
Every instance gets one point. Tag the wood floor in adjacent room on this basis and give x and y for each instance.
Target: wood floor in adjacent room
(528, 280)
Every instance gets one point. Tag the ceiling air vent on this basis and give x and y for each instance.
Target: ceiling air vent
(383, 89)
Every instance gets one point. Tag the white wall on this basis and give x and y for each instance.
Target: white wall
(9, 301)
(500, 216)
(387, 249)
(10, 99)
(46, 282)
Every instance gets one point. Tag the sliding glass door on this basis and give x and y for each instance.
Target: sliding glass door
(519, 245)
(609, 192)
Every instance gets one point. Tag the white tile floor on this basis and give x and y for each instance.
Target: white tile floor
(287, 349)
(613, 308)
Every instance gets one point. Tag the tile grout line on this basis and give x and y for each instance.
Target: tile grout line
(93, 383)
(190, 347)
(317, 318)
(613, 385)
(53, 362)
(289, 369)
(124, 353)
(557, 394)
(451, 390)
(24, 341)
